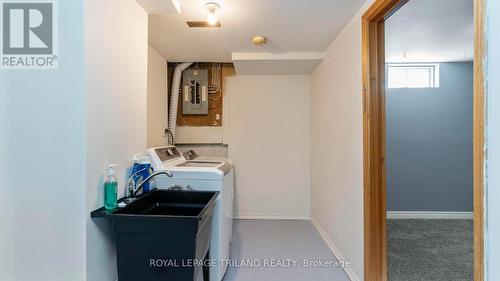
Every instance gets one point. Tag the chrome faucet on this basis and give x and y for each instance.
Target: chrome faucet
(132, 186)
(140, 185)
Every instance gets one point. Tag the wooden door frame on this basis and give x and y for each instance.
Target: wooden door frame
(374, 193)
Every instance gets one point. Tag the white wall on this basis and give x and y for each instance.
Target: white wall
(5, 188)
(157, 99)
(46, 144)
(337, 147)
(268, 133)
(200, 135)
(493, 135)
(116, 49)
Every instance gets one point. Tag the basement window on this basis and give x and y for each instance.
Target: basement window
(412, 76)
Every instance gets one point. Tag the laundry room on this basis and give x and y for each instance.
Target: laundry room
(233, 140)
(236, 123)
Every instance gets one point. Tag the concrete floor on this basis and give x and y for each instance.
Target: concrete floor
(284, 241)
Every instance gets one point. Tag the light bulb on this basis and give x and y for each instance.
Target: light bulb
(212, 18)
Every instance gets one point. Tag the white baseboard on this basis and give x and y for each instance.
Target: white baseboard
(429, 215)
(269, 217)
(348, 270)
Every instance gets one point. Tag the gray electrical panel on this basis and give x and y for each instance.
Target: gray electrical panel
(195, 92)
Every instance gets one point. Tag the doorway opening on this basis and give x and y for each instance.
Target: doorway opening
(375, 118)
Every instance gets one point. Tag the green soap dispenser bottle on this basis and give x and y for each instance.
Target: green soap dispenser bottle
(111, 189)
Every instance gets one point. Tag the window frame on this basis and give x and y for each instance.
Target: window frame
(434, 74)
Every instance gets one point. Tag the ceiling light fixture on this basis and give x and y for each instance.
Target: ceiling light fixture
(212, 17)
(259, 40)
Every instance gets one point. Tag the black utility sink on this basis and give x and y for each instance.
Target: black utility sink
(169, 203)
(162, 226)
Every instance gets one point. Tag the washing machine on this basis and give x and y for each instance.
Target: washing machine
(205, 174)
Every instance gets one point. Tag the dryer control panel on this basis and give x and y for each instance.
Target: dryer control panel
(168, 153)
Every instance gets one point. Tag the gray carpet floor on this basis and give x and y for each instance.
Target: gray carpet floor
(430, 250)
(280, 239)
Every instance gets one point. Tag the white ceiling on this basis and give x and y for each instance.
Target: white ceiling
(158, 7)
(290, 26)
(431, 31)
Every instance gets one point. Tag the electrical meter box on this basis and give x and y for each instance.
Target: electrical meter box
(195, 92)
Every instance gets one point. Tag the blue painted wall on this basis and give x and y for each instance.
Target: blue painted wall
(429, 144)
